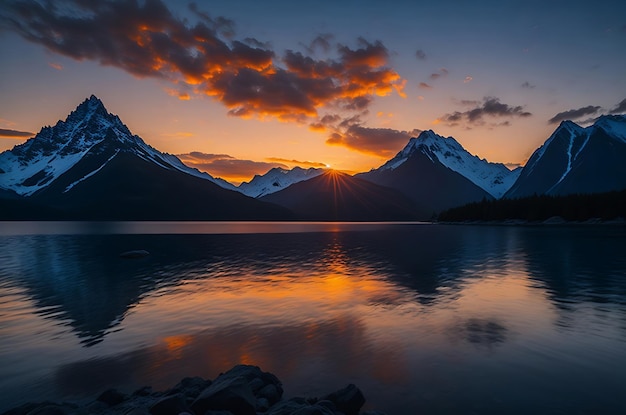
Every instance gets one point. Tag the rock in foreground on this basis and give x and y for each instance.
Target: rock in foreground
(243, 390)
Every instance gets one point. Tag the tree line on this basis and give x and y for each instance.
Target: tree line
(574, 207)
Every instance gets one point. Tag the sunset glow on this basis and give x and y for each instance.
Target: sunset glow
(254, 83)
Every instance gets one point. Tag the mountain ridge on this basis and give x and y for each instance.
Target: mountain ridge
(577, 159)
(90, 166)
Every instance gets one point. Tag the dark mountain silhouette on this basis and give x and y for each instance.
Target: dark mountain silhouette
(577, 160)
(338, 196)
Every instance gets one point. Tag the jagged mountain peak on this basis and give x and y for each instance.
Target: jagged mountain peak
(89, 131)
(614, 125)
(277, 179)
(494, 178)
(577, 160)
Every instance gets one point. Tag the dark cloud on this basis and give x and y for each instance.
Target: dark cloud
(383, 142)
(528, 85)
(247, 76)
(257, 43)
(227, 167)
(574, 114)
(491, 107)
(321, 42)
(420, 54)
(441, 73)
(424, 85)
(15, 134)
(470, 102)
(620, 108)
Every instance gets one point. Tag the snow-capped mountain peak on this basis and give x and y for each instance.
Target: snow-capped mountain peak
(494, 178)
(277, 179)
(613, 125)
(577, 160)
(88, 130)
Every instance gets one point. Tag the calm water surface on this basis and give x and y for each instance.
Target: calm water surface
(425, 319)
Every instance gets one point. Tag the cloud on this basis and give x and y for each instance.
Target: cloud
(424, 85)
(382, 142)
(620, 108)
(441, 73)
(6, 133)
(489, 107)
(56, 66)
(300, 163)
(249, 78)
(420, 54)
(574, 114)
(527, 85)
(321, 42)
(467, 79)
(227, 167)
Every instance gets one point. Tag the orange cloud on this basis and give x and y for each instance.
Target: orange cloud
(382, 142)
(56, 66)
(227, 167)
(147, 40)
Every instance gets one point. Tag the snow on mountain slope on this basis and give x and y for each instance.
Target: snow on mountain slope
(577, 160)
(614, 125)
(35, 164)
(277, 179)
(494, 178)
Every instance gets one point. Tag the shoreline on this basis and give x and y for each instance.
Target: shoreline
(242, 390)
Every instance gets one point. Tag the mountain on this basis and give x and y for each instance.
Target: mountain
(276, 179)
(92, 167)
(438, 173)
(336, 196)
(577, 160)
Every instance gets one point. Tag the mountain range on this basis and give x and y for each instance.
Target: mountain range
(90, 166)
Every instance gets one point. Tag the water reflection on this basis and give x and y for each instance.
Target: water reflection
(412, 314)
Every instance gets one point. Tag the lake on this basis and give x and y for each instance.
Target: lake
(423, 318)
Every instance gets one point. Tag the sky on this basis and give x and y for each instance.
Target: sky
(238, 87)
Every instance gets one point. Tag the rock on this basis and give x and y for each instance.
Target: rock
(314, 410)
(238, 391)
(243, 390)
(138, 253)
(145, 391)
(170, 405)
(48, 409)
(111, 397)
(226, 393)
(271, 393)
(137, 411)
(262, 405)
(190, 387)
(287, 407)
(348, 400)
